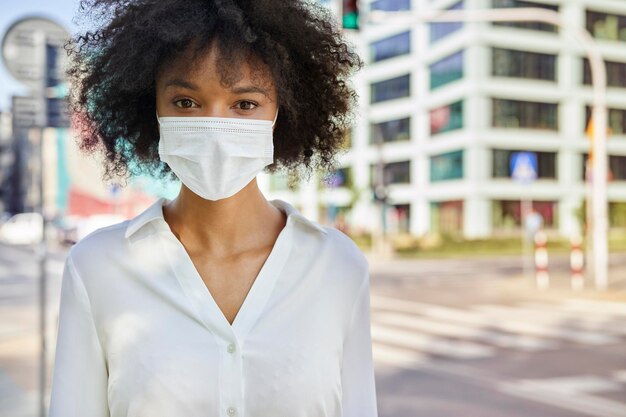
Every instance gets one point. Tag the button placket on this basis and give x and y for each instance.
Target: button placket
(231, 387)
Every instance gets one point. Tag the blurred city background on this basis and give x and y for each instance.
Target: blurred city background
(497, 288)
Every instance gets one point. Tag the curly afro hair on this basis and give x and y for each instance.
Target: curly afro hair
(113, 69)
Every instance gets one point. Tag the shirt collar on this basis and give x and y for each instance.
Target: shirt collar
(155, 212)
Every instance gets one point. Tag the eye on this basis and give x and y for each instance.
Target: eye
(184, 103)
(246, 105)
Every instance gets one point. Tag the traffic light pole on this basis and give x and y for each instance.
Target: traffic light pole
(599, 116)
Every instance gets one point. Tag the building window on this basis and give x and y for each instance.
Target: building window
(446, 217)
(391, 89)
(391, 5)
(391, 131)
(341, 177)
(446, 70)
(393, 46)
(615, 73)
(617, 167)
(545, 27)
(617, 120)
(522, 64)
(393, 173)
(617, 214)
(525, 114)
(507, 214)
(446, 118)
(447, 166)
(501, 164)
(399, 220)
(605, 26)
(439, 30)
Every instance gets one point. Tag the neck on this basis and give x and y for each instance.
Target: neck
(224, 227)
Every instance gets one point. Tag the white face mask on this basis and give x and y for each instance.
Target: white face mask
(215, 157)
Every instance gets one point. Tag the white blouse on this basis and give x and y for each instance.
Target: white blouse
(139, 334)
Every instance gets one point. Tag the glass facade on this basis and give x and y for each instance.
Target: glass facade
(393, 173)
(617, 166)
(525, 114)
(615, 73)
(447, 166)
(446, 118)
(525, 25)
(617, 120)
(398, 172)
(390, 47)
(390, 5)
(501, 164)
(446, 217)
(391, 131)
(617, 214)
(605, 26)
(446, 70)
(341, 177)
(523, 64)
(390, 89)
(399, 218)
(507, 214)
(439, 30)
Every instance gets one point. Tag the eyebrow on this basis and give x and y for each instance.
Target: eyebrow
(179, 82)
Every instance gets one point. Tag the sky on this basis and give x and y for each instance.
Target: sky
(60, 11)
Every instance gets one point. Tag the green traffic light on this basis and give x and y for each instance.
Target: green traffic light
(351, 20)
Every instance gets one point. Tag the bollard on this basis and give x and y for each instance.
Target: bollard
(541, 260)
(577, 262)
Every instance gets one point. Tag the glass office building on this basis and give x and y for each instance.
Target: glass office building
(445, 107)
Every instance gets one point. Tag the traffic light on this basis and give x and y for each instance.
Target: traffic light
(350, 14)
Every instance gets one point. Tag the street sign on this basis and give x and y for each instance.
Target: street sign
(524, 166)
(24, 50)
(28, 112)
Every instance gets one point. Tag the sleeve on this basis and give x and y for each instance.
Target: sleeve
(80, 376)
(357, 373)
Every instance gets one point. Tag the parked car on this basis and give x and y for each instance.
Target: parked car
(22, 229)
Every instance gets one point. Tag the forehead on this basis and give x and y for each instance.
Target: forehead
(211, 64)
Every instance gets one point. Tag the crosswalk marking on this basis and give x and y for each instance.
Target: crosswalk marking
(432, 345)
(389, 355)
(620, 375)
(419, 332)
(553, 318)
(488, 320)
(573, 393)
(610, 307)
(454, 330)
(578, 384)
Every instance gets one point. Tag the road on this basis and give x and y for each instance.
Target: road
(450, 338)
(475, 338)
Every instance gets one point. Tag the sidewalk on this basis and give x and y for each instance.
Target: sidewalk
(506, 274)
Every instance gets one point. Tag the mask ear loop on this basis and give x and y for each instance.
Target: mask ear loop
(157, 116)
(275, 117)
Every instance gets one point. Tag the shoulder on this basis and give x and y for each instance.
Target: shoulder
(344, 245)
(104, 241)
(344, 255)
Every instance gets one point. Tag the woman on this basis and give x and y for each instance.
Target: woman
(219, 302)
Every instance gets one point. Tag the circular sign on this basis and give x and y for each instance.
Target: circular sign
(25, 45)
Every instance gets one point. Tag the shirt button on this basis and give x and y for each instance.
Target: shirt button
(231, 411)
(231, 349)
